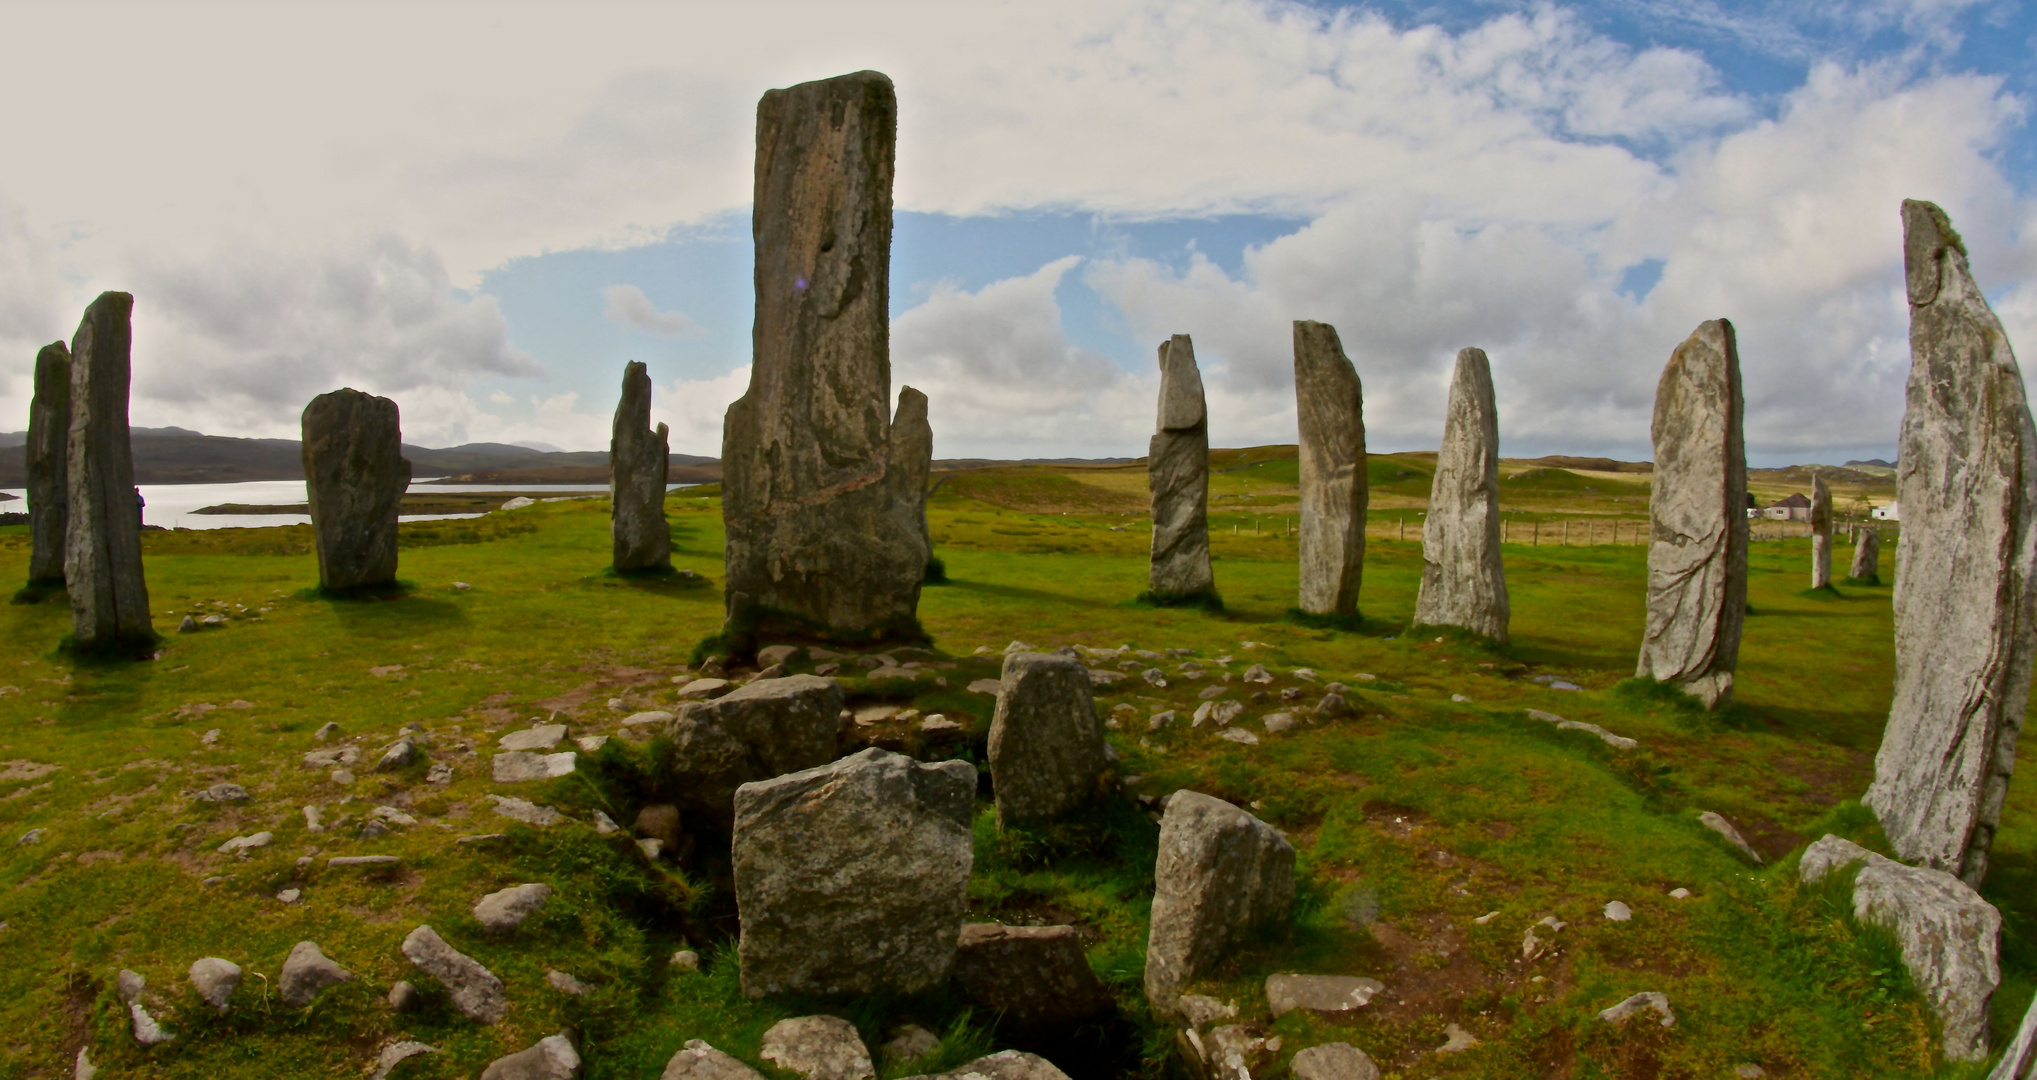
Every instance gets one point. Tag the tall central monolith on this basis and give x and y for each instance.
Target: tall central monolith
(820, 503)
(1330, 412)
(1966, 478)
(1463, 581)
(1177, 471)
(638, 456)
(355, 475)
(102, 528)
(1821, 533)
(49, 428)
(1697, 554)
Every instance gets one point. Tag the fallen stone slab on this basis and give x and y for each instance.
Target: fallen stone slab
(699, 1061)
(506, 909)
(1639, 1003)
(986, 686)
(247, 843)
(476, 992)
(516, 767)
(553, 1058)
(541, 737)
(766, 729)
(306, 974)
(706, 688)
(818, 1048)
(1333, 1061)
(1950, 937)
(1319, 993)
(1034, 976)
(371, 862)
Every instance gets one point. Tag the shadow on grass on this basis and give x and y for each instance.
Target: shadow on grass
(386, 608)
(1020, 592)
(39, 590)
(660, 580)
(1354, 623)
(1209, 601)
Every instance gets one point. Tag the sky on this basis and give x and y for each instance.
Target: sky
(483, 211)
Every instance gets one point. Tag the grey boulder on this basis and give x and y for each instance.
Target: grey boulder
(215, 980)
(1220, 872)
(506, 909)
(306, 974)
(1333, 1061)
(1034, 976)
(1463, 581)
(1046, 746)
(768, 728)
(852, 878)
(818, 1048)
(553, 1058)
(698, 1061)
(475, 990)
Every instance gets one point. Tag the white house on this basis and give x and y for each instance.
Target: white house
(1885, 513)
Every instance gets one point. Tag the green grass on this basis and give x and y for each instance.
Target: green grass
(1410, 818)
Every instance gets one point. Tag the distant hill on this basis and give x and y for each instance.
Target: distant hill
(180, 456)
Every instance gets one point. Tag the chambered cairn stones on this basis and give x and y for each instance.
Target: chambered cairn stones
(49, 427)
(1697, 557)
(354, 475)
(1046, 745)
(1177, 470)
(1866, 559)
(822, 495)
(1966, 478)
(852, 878)
(637, 459)
(1330, 408)
(1821, 534)
(1221, 872)
(102, 527)
(1463, 581)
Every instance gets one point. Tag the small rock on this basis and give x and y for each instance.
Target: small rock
(1257, 673)
(590, 744)
(219, 793)
(188, 626)
(1486, 918)
(565, 983)
(910, 1043)
(399, 754)
(82, 1067)
(517, 767)
(393, 816)
(939, 724)
(396, 1054)
(215, 980)
(1680, 893)
(1201, 1009)
(476, 992)
(290, 896)
(525, 811)
(505, 910)
(705, 688)
(1279, 722)
(1618, 912)
(774, 671)
(1640, 1003)
(461, 586)
(699, 1061)
(1239, 735)
(553, 1058)
(648, 719)
(818, 1048)
(605, 825)
(1318, 993)
(1749, 1071)
(986, 686)
(326, 731)
(32, 836)
(313, 821)
(306, 973)
(146, 1031)
(652, 847)
(129, 985)
(659, 821)
(210, 738)
(1333, 1061)
(1333, 704)
(439, 773)
(686, 960)
(1159, 720)
(403, 996)
(1725, 828)
(1459, 1039)
(1460, 699)
(541, 737)
(772, 655)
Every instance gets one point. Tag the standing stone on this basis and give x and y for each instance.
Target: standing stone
(1963, 601)
(1866, 559)
(1821, 534)
(1046, 746)
(102, 530)
(816, 489)
(768, 728)
(637, 457)
(912, 455)
(49, 426)
(1177, 470)
(1463, 582)
(1330, 408)
(1697, 560)
(1220, 873)
(355, 475)
(852, 878)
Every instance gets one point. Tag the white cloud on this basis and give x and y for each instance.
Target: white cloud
(693, 410)
(628, 306)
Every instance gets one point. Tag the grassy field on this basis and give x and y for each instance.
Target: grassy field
(1413, 818)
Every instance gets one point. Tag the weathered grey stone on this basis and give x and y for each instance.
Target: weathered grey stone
(852, 878)
(637, 459)
(768, 728)
(354, 477)
(659, 821)
(1697, 559)
(1725, 828)
(1330, 409)
(565, 983)
(699, 1061)
(1966, 628)
(909, 1042)
(1640, 1003)
(912, 459)
(1821, 533)
(1177, 471)
(515, 766)
(49, 428)
(476, 992)
(818, 498)
(553, 1058)
(1046, 747)
(102, 525)
(1318, 993)
(306, 973)
(541, 736)
(403, 997)
(397, 1053)
(506, 909)
(1228, 1052)
(1463, 582)
(1003, 1065)
(1220, 872)
(1333, 1061)
(1866, 559)
(1034, 976)
(215, 980)
(524, 810)
(1949, 935)
(2018, 1060)
(818, 1048)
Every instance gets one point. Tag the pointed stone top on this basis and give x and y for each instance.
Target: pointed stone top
(1927, 234)
(1181, 401)
(865, 77)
